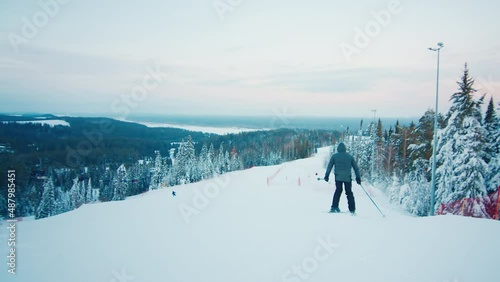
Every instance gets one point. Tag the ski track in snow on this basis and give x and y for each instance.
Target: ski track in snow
(238, 228)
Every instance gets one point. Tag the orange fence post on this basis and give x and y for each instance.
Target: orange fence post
(463, 206)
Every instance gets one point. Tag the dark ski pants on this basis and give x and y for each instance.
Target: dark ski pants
(348, 191)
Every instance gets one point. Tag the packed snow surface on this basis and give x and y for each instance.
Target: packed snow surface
(260, 224)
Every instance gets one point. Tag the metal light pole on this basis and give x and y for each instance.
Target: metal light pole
(433, 185)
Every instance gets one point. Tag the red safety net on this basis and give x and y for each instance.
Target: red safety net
(484, 207)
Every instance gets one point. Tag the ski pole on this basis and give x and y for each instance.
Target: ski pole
(372, 200)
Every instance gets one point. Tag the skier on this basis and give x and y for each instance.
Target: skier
(173, 193)
(343, 163)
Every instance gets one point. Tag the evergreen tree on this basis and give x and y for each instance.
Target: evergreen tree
(461, 169)
(211, 161)
(120, 184)
(106, 190)
(413, 195)
(184, 168)
(179, 172)
(420, 144)
(490, 117)
(219, 164)
(380, 131)
(379, 153)
(62, 201)
(492, 156)
(76, 195)
(235, 162)
(203, 162)
(48, 203)
(227, 161)
(157, 177)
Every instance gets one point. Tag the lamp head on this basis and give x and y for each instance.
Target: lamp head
(440, 44)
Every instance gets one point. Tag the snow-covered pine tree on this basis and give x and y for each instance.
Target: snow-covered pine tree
(365, 147)
(185, 162)
(492, 127)
(227, 161)
(415, 193)
(203, 161)
(76, 195)
(106, 185)
(420, 145)
(190, 161)
(235, 162)
(121, 184)
(461, 168)
(48, 204)
(219, 164)
(93, 193)
(211, 160)
(62, 201)
(179, 167)
(157, 176)
(88, 191)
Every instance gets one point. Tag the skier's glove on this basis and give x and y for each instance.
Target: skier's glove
(326, 178)
(358, 180)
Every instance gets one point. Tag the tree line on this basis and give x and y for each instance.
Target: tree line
(399, 159)
(53, 189)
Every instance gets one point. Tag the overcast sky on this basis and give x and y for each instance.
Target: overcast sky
(243, 57)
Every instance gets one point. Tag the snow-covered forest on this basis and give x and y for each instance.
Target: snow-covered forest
(399, 159)
(396, 159)
(57, 189)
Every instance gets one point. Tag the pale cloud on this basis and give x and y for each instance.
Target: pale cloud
(263, 56)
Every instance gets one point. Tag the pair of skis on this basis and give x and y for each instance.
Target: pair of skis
(352, 213)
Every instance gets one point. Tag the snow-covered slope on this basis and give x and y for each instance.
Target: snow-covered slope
(239, 228)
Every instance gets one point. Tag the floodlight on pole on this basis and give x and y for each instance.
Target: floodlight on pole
(434, 147)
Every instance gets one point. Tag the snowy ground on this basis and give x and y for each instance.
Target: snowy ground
(239, 228)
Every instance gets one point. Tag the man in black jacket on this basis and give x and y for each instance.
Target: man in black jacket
(343, 163)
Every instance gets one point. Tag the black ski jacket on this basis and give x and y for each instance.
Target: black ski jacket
(343, 163)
